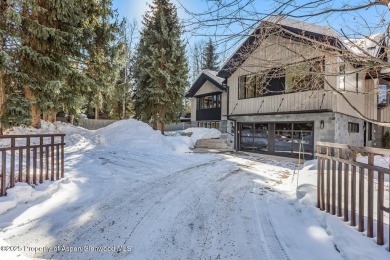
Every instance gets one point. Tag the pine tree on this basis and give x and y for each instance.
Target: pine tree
(210, 57)
(41, 62)
(161, 67)
(106, 55)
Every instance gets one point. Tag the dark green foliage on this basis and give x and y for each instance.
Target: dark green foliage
(210, 57)
(161, 67)
(66, 52)
(386, 140)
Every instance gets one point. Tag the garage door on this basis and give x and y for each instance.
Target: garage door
(287, 138)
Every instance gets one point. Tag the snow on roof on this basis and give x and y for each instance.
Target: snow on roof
(213, 74)
(368, 46)
(304, 26)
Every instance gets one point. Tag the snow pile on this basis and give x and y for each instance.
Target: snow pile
(132, 135)
(202, 133)
(350, 243)
(122, 135)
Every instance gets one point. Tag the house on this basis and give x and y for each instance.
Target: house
(208, 101)
(292, 83)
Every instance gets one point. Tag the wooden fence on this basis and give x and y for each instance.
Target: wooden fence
(339, 193)
(30, 159)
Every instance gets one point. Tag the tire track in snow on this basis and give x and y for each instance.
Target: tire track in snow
(170, 177)
(272, 245)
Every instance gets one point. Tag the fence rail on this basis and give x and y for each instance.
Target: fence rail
(30, 159)
(338, 192)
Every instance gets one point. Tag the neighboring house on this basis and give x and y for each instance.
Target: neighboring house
(208, 101)
(288, 85)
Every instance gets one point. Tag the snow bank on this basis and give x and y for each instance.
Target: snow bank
(122, 135)
(132, 135)
(202, 133)
(348, 241)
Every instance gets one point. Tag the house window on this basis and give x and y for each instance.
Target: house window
(353, 127)
(209, 102)
(299, 77)
(305, 76)
(383, 96)
(342, 70)
(369, 132)
(264, 84)
(357, 82)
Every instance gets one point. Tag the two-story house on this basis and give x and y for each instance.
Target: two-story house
(291, 84)
(208, 101)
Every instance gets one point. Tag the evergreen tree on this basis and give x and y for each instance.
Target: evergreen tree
(40, 64)
(210, 57)
(161, 67)
(106, 55)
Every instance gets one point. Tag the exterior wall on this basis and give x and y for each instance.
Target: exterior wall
(193, 109)
(207, 87)
(371, 102)
(342, 135)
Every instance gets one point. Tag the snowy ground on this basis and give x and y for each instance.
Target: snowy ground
(126, 185)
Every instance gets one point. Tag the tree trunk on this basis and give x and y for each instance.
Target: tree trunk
(161, 127)
(35, 113)
(71, 119)
(2, 98)
(2, 84)
(52, 117)
(96, 113)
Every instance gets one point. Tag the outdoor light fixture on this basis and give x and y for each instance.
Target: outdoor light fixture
(322, 124)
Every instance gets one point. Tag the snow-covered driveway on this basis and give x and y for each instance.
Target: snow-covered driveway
(120, 203)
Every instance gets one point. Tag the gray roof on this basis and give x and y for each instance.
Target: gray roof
(303, 26)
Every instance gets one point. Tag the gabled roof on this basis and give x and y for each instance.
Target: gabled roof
(205, 75)
(285, 26)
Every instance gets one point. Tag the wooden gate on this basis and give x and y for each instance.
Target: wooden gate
(31, 159)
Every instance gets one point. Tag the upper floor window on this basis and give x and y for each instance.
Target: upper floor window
(207, 102)
(383, 95)
(264, 84)
(295, 78)
(305, 76)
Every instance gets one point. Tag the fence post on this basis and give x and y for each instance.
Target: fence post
(339, 185)
(353, 191)
(20, 164)
(41, 159)
(28, 160)
(35, 166)
(346, 192)
(12, 173)
(322, 174)
(333, 187)
(370, 206)
(379, 239)
(328, 180)
(361, 200)
(52, 159)
(58, 161)
(62, 155)
(3, 173)
(318, 177)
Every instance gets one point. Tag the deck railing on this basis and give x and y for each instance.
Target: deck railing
(351, 189)
(30, 159)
